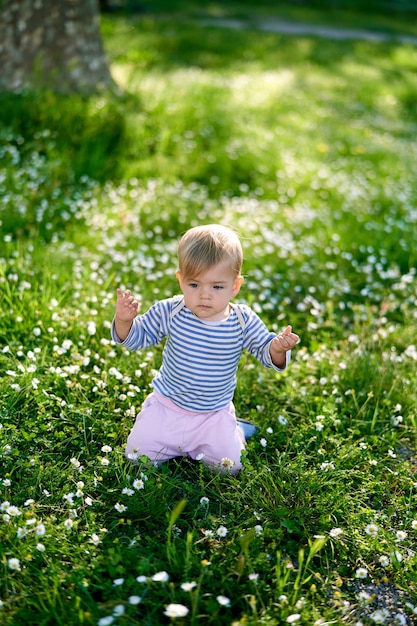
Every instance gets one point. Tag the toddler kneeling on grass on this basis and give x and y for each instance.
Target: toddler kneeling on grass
(190, 411)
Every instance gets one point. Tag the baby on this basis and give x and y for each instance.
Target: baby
(190, 411)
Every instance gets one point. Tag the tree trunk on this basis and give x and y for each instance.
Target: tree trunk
(53, 44)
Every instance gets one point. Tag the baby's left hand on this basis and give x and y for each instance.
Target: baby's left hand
(285, 341)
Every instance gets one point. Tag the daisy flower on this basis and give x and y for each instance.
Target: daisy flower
(222, 531)
(176, 610)
(223, 600)
(14, 565)
(13, 511)
(141, 579)
(326, 466)
(361, 572)
(119, 610)
(379, 616)
(161, 577)
(69, 497)
(106, 621)
(120, 508)
(75, 462)
(365, 597)
(133, 600)
(188, 586)
(372, 529)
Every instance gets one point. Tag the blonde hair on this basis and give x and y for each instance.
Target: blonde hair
(202, 247)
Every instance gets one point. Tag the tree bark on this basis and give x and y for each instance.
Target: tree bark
(54, 44)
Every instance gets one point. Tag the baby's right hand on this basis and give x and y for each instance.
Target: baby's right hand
(126, 306)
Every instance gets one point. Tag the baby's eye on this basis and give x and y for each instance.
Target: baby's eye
(193, 285)
(218, 287)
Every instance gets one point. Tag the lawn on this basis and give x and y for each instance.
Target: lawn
(307, 148)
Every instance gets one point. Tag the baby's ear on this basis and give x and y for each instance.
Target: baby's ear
(237, 285)
(179, 277)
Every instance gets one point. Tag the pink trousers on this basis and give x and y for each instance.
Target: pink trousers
(163, 430)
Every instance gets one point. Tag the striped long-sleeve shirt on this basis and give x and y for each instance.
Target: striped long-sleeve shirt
(200, 358)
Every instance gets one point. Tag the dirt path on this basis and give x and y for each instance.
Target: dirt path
(278, 25)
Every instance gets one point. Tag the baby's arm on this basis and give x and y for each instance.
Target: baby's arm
(126, 311)
(281, 344)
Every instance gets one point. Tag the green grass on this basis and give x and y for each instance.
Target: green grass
(375, 15)
(306, 147)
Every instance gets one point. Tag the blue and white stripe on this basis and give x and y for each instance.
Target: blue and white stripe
(200, 358)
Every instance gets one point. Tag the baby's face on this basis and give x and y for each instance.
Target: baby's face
(208, 294)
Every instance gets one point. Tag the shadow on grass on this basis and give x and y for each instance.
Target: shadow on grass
(84, 135)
